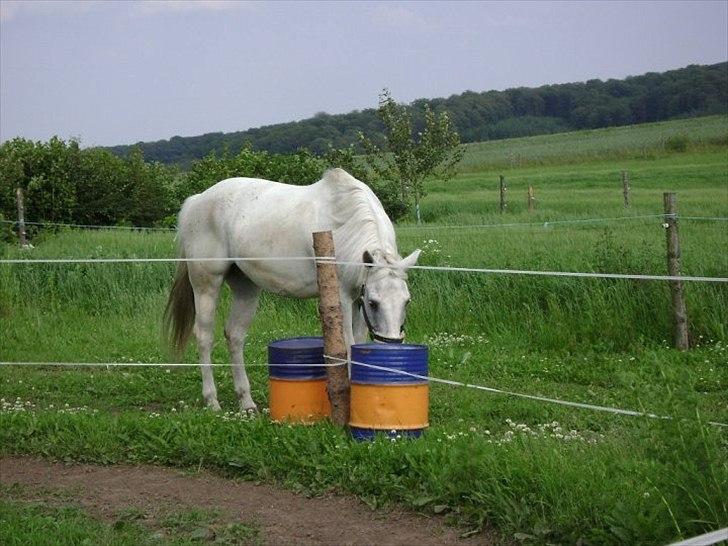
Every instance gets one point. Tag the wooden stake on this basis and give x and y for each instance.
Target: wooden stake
(332, 323)
(531, 199)
(625, 188)
(503, 190)
(680, 316)
(22, 236)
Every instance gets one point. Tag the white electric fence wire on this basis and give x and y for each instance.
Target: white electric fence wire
(714, 537)
(89, 226)
(159, 260)
(581, 405)
(162, 364)
(551, 273)
(545, 223)
(361, 264)
(707, 218)
(341, 362)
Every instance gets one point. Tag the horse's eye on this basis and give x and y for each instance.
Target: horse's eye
(373, 304)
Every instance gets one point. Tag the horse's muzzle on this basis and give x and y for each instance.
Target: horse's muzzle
(385, 339)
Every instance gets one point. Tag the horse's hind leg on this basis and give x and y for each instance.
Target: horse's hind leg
(206, 282)
(242, 310)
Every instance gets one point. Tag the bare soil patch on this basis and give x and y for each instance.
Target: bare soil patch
(284, 517)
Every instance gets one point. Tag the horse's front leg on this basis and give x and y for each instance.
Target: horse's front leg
(350, 312)
(242, 310)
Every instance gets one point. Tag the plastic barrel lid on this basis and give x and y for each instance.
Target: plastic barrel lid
(405, 357)
(287, 358)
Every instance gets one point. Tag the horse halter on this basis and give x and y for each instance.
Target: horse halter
(374, 334)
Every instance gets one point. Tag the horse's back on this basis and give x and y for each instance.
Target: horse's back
(224, 204)
(249, 217)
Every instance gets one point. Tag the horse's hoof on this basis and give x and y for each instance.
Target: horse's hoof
(249, 409)
(214, 405)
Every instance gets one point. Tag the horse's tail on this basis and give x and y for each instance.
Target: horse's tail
(179, 315)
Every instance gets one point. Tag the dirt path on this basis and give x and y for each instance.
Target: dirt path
(284, 517)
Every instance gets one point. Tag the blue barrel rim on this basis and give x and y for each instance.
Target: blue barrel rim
(296, 359)
(286, 342)
(370, 434)
(390, 346)
(408, 358)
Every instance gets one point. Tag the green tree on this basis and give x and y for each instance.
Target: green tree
(102, 184)
(387, 191)
(410, 159)
(149, 189)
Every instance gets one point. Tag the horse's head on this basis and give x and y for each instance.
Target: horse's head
(384, 295)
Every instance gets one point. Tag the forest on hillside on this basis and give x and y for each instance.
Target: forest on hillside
(478, 116)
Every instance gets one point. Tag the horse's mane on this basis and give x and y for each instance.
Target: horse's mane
(360, 220)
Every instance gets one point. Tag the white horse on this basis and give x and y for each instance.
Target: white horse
(254, 218)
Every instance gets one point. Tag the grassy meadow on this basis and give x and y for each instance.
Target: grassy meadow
(535, 472)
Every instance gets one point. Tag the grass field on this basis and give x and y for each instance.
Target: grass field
(536, 472)
(646, 141)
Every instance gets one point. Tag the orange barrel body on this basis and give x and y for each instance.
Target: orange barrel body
(297, 380)
(382, 400)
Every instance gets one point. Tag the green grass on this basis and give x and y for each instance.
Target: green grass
(488, 460)
(25, 522)
(646, 141)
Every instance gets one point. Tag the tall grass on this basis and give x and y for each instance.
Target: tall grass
(645, 141)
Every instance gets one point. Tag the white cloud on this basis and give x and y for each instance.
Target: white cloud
(396, 16)
(152, 7)
(12, 9)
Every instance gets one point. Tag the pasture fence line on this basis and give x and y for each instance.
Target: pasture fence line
(335, 362)
(530, 199)
(332, 326)
(89, 226)
(158, 364)
(581, 274)
(502, 191)
(549, 223)
(544, 224)
(679, 310)
(580, 405)
(22, 235)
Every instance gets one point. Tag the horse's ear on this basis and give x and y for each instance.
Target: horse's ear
(367, 258)
(410, 260)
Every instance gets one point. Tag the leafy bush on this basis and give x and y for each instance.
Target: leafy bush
(677, 143)
(67, 184)
(64, 183)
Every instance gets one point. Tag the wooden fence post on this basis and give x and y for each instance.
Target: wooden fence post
(625, 188)
(332, 323)
(22, 236)
(503, 189)
(680, 316)
(531, 199)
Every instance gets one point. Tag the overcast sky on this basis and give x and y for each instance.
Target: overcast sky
(121, 72)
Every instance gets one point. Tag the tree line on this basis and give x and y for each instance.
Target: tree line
(64, 184)
(477, 116)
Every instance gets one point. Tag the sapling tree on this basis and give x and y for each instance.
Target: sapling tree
(409, 158)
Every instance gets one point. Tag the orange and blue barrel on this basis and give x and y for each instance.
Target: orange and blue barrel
(383, 400)
(297, 380)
